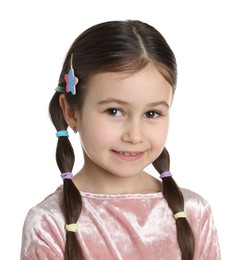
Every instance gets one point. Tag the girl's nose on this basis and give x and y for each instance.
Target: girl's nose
(133, 133)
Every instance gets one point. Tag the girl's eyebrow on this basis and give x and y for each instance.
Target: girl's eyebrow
(112, 100)
(158, 103)
(121, 102)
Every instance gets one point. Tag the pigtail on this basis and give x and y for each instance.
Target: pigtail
(72, 203)
(175, 200)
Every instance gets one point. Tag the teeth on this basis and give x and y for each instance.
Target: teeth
(128, 154)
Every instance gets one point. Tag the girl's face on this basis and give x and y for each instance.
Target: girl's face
(124, 120)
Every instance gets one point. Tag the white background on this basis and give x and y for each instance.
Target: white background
(205, 139)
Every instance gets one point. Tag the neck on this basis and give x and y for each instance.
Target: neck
(94, 179)
(100, 182)
(92, 182)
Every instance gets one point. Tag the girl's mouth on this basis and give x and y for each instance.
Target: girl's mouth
(128, 156)
(128, 153)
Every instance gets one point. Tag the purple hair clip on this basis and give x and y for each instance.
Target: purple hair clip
(71, 80)
(165, 174)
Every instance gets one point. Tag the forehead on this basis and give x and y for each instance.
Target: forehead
(145, 84)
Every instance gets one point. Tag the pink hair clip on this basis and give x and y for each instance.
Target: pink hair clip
(71, 80)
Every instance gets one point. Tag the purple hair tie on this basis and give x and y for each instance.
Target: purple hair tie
(67, 175)
(165, 174)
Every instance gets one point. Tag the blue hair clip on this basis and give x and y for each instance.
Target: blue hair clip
(71, 80)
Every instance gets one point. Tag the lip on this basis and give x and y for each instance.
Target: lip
(128, 156)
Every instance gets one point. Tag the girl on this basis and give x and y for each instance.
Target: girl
(116, 89)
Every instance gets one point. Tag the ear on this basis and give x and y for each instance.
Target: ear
(68, 112)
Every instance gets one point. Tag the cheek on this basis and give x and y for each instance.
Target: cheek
(95, 134)
(160, 135)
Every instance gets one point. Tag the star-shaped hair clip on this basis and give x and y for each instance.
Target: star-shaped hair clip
(71, 80)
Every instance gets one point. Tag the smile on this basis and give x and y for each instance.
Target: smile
(128, 156)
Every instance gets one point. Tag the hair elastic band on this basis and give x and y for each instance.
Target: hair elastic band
(165, 174)
(72, 227)
(67, 175)
(180, 214)
(59, 89)
(62, 133)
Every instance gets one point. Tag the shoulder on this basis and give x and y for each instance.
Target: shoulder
(197, 208)
(47, 209)
(195, 202)
(192, 196)
(200, 217)
(44, 224)
(52, 202)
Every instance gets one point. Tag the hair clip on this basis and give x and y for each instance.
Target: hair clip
(71, 80)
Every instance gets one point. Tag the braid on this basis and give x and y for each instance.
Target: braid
(72, 203)
(175, 200)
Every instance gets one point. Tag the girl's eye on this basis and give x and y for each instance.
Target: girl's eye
(152, 114)
(114, 112)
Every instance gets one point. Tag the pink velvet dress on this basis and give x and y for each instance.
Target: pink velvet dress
(119, 227)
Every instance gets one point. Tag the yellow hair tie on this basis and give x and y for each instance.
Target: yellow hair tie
(72, 227)
(181, 214)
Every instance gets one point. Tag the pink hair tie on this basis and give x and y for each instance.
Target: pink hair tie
(67, 175)
(165, 174)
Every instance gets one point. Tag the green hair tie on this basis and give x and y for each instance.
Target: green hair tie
(59, 89)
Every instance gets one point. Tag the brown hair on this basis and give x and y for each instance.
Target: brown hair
(115, 46)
